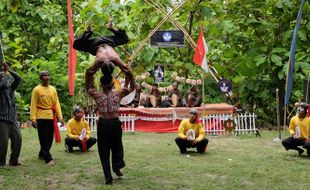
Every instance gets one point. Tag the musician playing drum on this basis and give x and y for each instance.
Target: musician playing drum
(174, 95)
(194, 97)
(154, 96)
(136, 101)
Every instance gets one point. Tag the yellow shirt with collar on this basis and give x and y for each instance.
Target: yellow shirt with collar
(304, 126)
(74, 129)
(42, 100)
(185, 125)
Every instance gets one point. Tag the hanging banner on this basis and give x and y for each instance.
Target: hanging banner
(168, 38)
(159, 72)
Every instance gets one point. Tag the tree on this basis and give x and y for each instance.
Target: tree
(248, 43)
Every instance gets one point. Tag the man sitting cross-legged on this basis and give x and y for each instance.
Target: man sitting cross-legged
(78, 132)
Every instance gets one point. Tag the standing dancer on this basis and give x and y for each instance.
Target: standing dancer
(109, 131)
(43, 111)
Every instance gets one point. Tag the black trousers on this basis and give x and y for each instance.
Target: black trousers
(77, 143)
(10, 131)
(46, 134)
(183, 144)
(87, 44)
(291, 143)
(109, 136)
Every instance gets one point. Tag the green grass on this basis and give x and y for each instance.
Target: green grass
(153, 162)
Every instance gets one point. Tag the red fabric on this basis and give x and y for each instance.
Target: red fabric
(83, 141)
(84, 146)
(157, 126)
(221, 108)
(308, 111)
(168, 126)
(198, 120)
(200, 56)
(171, 126)
(56, 129)
(72, 53)
(200, 51)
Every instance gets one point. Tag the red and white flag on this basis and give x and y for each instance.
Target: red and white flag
(200, 56)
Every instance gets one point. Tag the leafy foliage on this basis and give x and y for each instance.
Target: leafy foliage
(248, 41)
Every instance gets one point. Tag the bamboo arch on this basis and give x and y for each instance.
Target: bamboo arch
(167, 17)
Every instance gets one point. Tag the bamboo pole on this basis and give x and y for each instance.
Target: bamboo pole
(307, 91)
(284, 122)
(2, 60)
(278, 112)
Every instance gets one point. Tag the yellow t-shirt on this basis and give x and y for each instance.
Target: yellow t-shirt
(304, 126)
(74, 129)
(42, 100)
(185, 125)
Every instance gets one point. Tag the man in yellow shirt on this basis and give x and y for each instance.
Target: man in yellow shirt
(300, 130)
(78, 132)
(195, 140)
(44, 109)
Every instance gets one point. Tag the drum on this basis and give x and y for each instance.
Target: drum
(129, 98)
(143, 99)
(191, 100)
(164, 98)
(153, 101)
(174, 100)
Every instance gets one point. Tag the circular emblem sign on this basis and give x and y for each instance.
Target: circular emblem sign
(225, 85)
(167, 36)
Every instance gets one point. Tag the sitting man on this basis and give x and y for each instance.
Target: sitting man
(78, 132)
(174, 95)
(299, 128)
(191, 134)
(136, 101)
(154, 98)
(194, 97)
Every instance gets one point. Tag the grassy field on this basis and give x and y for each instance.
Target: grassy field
(153, 162)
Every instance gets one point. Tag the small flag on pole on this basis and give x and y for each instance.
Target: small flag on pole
(291, 61)
(200, 56)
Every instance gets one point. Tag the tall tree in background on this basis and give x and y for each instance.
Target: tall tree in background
(248, 43)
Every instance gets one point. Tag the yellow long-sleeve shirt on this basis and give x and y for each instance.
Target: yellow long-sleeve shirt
(304, 126)
(185, 125)
(74, 129)
(43, 98)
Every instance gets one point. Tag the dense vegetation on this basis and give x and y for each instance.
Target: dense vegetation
(248, 41)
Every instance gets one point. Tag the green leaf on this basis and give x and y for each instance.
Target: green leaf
(276, 59)
(260, 59)
(279, 50)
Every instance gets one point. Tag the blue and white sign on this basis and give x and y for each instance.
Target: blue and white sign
(225, 85)
(168, 38)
